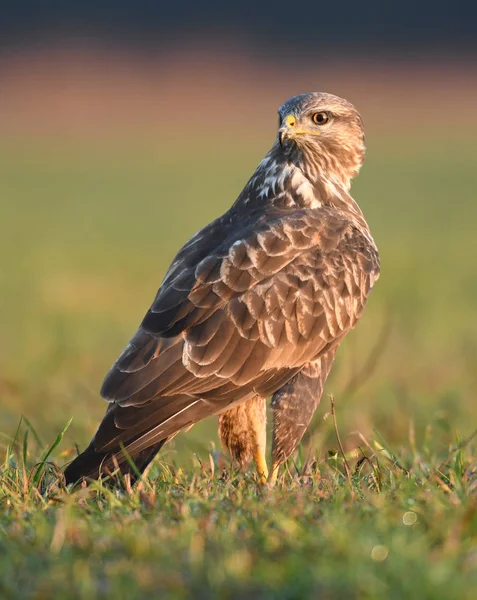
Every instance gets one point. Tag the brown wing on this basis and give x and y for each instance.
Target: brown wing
(272, 299)
(243, 320)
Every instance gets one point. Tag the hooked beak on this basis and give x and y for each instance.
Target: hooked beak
(282, 136)
(287, 129)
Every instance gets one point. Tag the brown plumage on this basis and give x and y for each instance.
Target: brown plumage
(255, 304)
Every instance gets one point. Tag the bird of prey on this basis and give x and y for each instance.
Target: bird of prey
(254, 305)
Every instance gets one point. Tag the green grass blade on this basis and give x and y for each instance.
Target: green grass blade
(41, 465)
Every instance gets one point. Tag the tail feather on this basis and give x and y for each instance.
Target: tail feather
(87, 464)
(141, 431)
(90, 464)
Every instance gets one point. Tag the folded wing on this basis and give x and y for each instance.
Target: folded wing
(240, 320)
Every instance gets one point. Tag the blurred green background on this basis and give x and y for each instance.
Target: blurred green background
(106, 170)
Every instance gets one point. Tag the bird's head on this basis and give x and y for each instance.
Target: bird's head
(323, 134)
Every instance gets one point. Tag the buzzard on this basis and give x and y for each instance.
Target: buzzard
(254, 305)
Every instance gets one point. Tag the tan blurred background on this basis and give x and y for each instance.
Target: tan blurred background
(82, 90)
(123, 132)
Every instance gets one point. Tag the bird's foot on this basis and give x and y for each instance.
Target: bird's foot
(261, 465)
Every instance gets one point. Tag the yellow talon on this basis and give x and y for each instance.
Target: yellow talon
(261, 465)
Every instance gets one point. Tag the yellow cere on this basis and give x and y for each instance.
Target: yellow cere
(290, 120)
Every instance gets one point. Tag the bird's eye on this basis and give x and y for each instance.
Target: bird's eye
(320, 118)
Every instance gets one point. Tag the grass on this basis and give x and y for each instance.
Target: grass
(86, 235)
(400, 527)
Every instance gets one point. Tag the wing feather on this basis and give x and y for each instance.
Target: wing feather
(265, 300)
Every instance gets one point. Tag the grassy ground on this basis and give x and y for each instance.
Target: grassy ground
(86, 235)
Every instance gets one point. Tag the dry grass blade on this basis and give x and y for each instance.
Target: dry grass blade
(345, 460)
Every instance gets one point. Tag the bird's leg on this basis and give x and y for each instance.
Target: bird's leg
(242, 429)
(293, 406)
(261, 465)
(258, 427)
